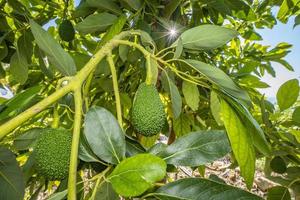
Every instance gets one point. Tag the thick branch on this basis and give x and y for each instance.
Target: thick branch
(75, 143)
(23, 117)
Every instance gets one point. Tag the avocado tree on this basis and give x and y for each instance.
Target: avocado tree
(110, 97)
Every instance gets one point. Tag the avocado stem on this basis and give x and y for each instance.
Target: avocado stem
(116, 87)
(149, 70)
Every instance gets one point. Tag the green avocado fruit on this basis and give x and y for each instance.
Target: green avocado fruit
(66, 31)
(147, 115)
(52, 153)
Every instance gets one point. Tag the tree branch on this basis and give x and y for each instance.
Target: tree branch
(116, 87)
(75, 143)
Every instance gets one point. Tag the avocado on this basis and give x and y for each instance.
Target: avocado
(52, 153)
(147, 115)
(66, 31)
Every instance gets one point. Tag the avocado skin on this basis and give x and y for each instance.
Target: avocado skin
(52, 153)
(66, 31)
(147, 115)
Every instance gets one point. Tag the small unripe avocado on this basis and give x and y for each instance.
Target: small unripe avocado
(147, 115)
(52, 153)
(66, 31)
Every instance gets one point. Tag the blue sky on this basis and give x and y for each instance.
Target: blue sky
(282, 33)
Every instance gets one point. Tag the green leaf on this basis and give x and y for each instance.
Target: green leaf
(253, 82)
(96, 22)
(293, 172)
(103, 68)
(19, 102)
(252, 126)
(80, 59)
(25, 44)
(12, 185)
(146, 39)
(3, 50)
(206, 37)
(135, 4)
(171, 7)
(297, 20)
(27, 139)
(133, 147)
(134, 175)
(241, 142)
(296, 115)
(105, 5)
(85, 153)
(287, 94)
(106, 192)
(59, 195)
(55, 53)
(285, 64)
(28, 168)
(284, 10)
(196, 148)
(115, 29)
(104, 135)
(20, 60)
(222, 6)
(215, 107)
(174, 94)
(278, 52)
(123, 52)
(199, 188)
(296, 133)
(201, 169)
(218, 77)
(156, 148)
(182, 125)
(19, 8)
(148, 142)
(179, 49)
(46, 69)
(191, 95)
(19, 67)
(215, 178)
(83, 10)
(279, 193)
(252, 35)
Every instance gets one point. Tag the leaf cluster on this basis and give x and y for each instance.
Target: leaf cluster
(203, 59)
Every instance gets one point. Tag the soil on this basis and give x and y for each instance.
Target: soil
(231, 176)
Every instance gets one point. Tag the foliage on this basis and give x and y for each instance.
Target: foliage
(203, 61)
(11, 179)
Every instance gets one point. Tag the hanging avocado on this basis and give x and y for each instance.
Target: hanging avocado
(52, 154)
(66, 31)
(148, 115)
